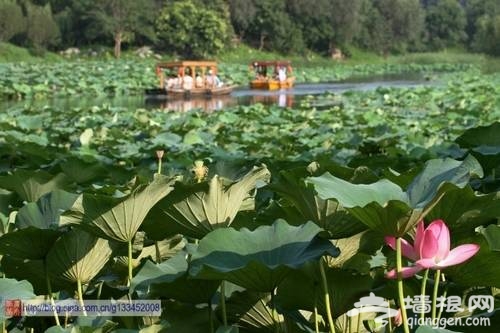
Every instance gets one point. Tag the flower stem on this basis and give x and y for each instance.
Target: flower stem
(390, 319)
(399, 268)
(51, 298)
(422, 293)
(157, 252)
(80, 296)
(437, 277)
(445, 293)
(327, 296)
(159, 166)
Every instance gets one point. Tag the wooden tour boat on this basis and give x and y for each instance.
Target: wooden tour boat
(272, 75)
(189, 78)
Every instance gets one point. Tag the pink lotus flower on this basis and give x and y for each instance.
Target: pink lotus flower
(431, 250)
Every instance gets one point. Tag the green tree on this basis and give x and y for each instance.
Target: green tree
(403, 23)
(272, 28)
(375, 32)
(12, 20)
(191, 30)
(314, 19)
(445, 24)
(487, 37)
(41, 30)
(242, 15)
(121, 19)
(346, 21)
(474, 10)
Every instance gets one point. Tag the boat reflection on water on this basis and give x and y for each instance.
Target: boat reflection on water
(184, 105)
(219, 102)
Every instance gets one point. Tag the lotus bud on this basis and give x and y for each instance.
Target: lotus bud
(200, 170)
(159, 154)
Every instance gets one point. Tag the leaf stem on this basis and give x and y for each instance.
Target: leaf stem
(49, 291)
(158, 253)
(422, 293)
(437, 277)
(129, 262)
(80, 296)
(223, 302)
(399, 268)
(326, 296)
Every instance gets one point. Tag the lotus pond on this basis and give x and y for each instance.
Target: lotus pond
(254, 218)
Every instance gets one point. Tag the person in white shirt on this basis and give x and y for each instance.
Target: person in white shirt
(282, 74)
(187, 83)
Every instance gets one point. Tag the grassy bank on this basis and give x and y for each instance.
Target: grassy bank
(13, 53)
(244, 55)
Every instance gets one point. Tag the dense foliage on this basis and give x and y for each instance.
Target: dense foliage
(324, 26)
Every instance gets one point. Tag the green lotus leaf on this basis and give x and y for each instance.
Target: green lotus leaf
(46, 211)
(118, 218)
(86, 325)
(200, 208)
(250, 311)
(463, 209)
(169, 279)
(11, 289)
(425, 186)
(385, 207)
(30, 186)
(27, 269)
(479, 270)
(227, 329)
(78, 256)
(481, 135)
(186, 317)
(428, 329)
(300, 290)
(258, 260)
(492, 235)
(303, 204)
(28, 243)
(484, 143)
(81, 171)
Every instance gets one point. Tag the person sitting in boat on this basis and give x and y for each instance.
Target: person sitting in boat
(187, 82)
(198, 81)
(212, 80)
(171, 82)
(282, 74)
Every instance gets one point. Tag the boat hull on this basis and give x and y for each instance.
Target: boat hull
(195, 92)
(272, 84)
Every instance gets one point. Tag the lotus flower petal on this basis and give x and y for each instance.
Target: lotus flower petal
(406, 248)
(456, 256)
(442, 234)
(406, 272)
(419, 236)
(429, 246)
